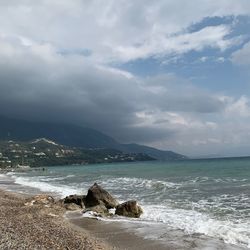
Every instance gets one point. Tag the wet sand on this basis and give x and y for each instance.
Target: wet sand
(116, 235)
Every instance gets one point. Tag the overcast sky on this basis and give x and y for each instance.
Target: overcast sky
(173, 74)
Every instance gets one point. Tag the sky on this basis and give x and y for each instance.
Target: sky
(172, 74)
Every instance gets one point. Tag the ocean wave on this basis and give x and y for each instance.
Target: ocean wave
(177, 204)
(128, 182)
(10, 173)
(35, 182)
(59, 178)
(206, 179)
(5, 176)
(192, 222)
(189, 221)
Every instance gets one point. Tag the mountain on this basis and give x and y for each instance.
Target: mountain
(153, 152)
(72, 135)
(43, 152)
(66, 134)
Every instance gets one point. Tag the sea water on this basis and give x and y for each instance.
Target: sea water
(197, 197)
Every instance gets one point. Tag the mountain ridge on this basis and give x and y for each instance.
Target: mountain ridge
(74, 135)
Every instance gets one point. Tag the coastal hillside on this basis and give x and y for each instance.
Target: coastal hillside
(153, 152)
(74, 136)
(43, 152)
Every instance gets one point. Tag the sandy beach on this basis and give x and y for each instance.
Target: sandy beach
(53, 227)
(39, 227)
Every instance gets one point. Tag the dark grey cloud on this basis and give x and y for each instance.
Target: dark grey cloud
(53, 67)
(47, 86)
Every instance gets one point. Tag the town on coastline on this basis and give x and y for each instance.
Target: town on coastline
(43, 152)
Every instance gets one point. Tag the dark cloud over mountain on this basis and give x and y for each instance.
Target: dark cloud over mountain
(59, 61)
(44, 85)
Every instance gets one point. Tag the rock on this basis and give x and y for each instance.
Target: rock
(75, 199)
(40, 199)
(129, 209)
(101, 210)
(98, 196)
(72, 206)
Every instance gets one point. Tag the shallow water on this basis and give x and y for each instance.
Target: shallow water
(200, 197)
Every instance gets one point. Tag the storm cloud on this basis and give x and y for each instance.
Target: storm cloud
(59, 62)
(50, 86)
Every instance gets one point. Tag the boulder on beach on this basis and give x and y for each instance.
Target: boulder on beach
(129, 209)
(72, 206)
(74, 199)
(98, 196)
(99, 210)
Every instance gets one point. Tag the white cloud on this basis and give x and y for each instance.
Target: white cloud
(220, 59)
(120, 30)
(242, 56)
(213, 37)
(224, 133)
(115, 71)
(240, 107)
(203, 59)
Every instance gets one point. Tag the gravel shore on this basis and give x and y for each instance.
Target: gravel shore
(39, 227)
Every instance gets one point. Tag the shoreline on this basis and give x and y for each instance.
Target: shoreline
(122, 236)
(116, 235)
(40, 227)
(47, 227)
(95, 233)
(109, 235)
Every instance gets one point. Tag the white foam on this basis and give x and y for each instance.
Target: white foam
(5, 176)
(127, 182)
(189, 221)
(10, 173)
(35, 182)
(60, 178)
(192, 222)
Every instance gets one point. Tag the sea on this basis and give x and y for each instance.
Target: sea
(204, 199)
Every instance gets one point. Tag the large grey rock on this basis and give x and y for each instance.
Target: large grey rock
(72, 206)
(98, 196)
(129, 209)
